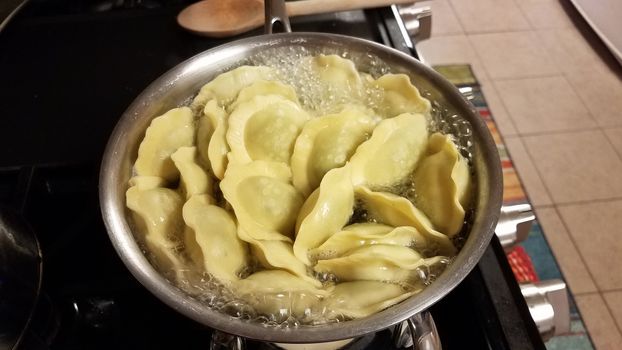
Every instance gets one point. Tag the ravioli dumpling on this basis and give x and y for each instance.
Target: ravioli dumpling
(442, 183)
(392, 152)
(363, 234)
(209, 132)
(400, 96)
(336, 70)
(217, 147)
(391, 209)
(164, 136)
(277, 254)
(363, 298)
(226, 86)
(147, 182)
(270, 291)
(263, 199)
(157, 216)
(194, 180)
(264, 88)
(264, 128)
(380, 262)
(326, 143)
(324, 213)
(214, 231)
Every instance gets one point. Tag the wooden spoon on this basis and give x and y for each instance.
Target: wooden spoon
(222, 18)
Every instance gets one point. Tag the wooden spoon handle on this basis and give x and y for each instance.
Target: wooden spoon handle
(311, 7)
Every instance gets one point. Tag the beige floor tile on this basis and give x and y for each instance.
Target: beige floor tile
(599, 322)
(596, 228)
(450, 50)
(512, 55)
(614, 302)
(444, 20)
(539, 105)
(477, 16)
(566, 254)
(615, 136)
(577, 166)
(570, 51)
(545, 14)
(497, 109)
(601, 91)
(528, 174)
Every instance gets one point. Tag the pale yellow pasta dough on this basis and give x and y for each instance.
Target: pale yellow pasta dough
(442, 183)
(379, 262)
(328, 212)
(391, 209)
(226, 86)
(337, 71)
(263, 199)
(278, 254)
(392, 152)
(400, 96)
(157, 217)
(193, 179)
(363, 234)
(271, 291)
(164, 136)
(212, 119)
(264, 128)
(326, 143)
(263, 88)
(363, 298)
(223, 254)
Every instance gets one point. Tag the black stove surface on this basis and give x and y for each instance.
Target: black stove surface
(69, 69)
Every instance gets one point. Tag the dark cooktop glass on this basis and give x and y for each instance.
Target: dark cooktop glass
(69, 69)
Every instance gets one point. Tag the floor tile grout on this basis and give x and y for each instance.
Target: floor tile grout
(582, 101)
(554, 206)
(607, 306)
(494, 87)
(525, 77)
(589, 201)
(602, 297)
(576, 246)
(566, 227)
(584, 294)
(453, 11)
(451, 6)
(614, 290)
(618, 152)
(615, 321)
(559, 132)
(528, 77)
(506, 31)
(520, 9)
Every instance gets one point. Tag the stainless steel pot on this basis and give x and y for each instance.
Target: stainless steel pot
(182, 82)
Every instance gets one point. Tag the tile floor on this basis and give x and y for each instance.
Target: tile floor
(556, 94)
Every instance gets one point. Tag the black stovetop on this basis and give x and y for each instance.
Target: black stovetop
(69, 69)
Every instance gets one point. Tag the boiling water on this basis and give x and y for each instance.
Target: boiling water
(292, 66)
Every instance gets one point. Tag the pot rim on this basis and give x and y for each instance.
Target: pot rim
(114, 212)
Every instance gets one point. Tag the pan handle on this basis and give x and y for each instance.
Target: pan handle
(224, 341)
(276, 13)
(417, 333)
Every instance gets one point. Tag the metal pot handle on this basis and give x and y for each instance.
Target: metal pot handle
(417, 333)
(276, 13)
(224, 341)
